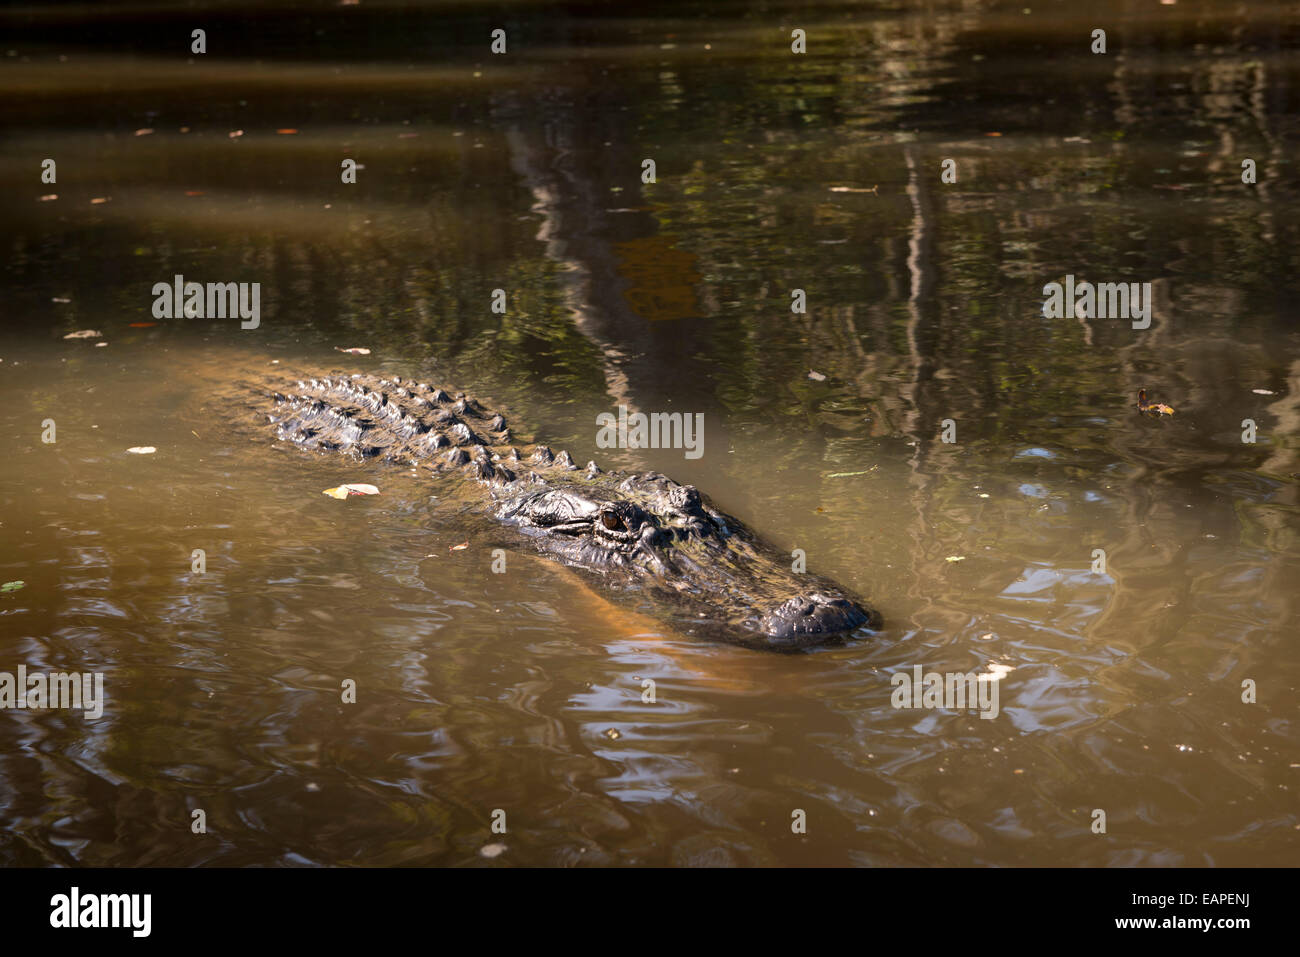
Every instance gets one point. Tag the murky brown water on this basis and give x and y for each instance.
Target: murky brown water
(1122, 691)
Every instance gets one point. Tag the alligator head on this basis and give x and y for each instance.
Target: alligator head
(645, 535)
(648, 534)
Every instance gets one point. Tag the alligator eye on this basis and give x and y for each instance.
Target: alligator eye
(611, 521)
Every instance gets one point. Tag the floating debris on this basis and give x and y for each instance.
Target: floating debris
(142, 450)
(12, 586)
(492, 850)
(83, 333)
(1152, 408)
(343, 491)
(816, 376)
(354, 351)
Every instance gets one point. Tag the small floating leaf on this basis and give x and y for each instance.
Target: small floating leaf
(354, 351)
(11, 586)
(955, 558)
(456, 548)
(343, 491)
(142, 449)
(84, 334)
(1152, 408)
(492, 850)
(816, 376)
(848, 474)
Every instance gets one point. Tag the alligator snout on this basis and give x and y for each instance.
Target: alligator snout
(811, 619)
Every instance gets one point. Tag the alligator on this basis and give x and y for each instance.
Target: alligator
(642, 536)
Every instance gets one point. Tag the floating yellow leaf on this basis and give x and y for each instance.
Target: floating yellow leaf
(456, 548)
(1152, 408)
(343, 491)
